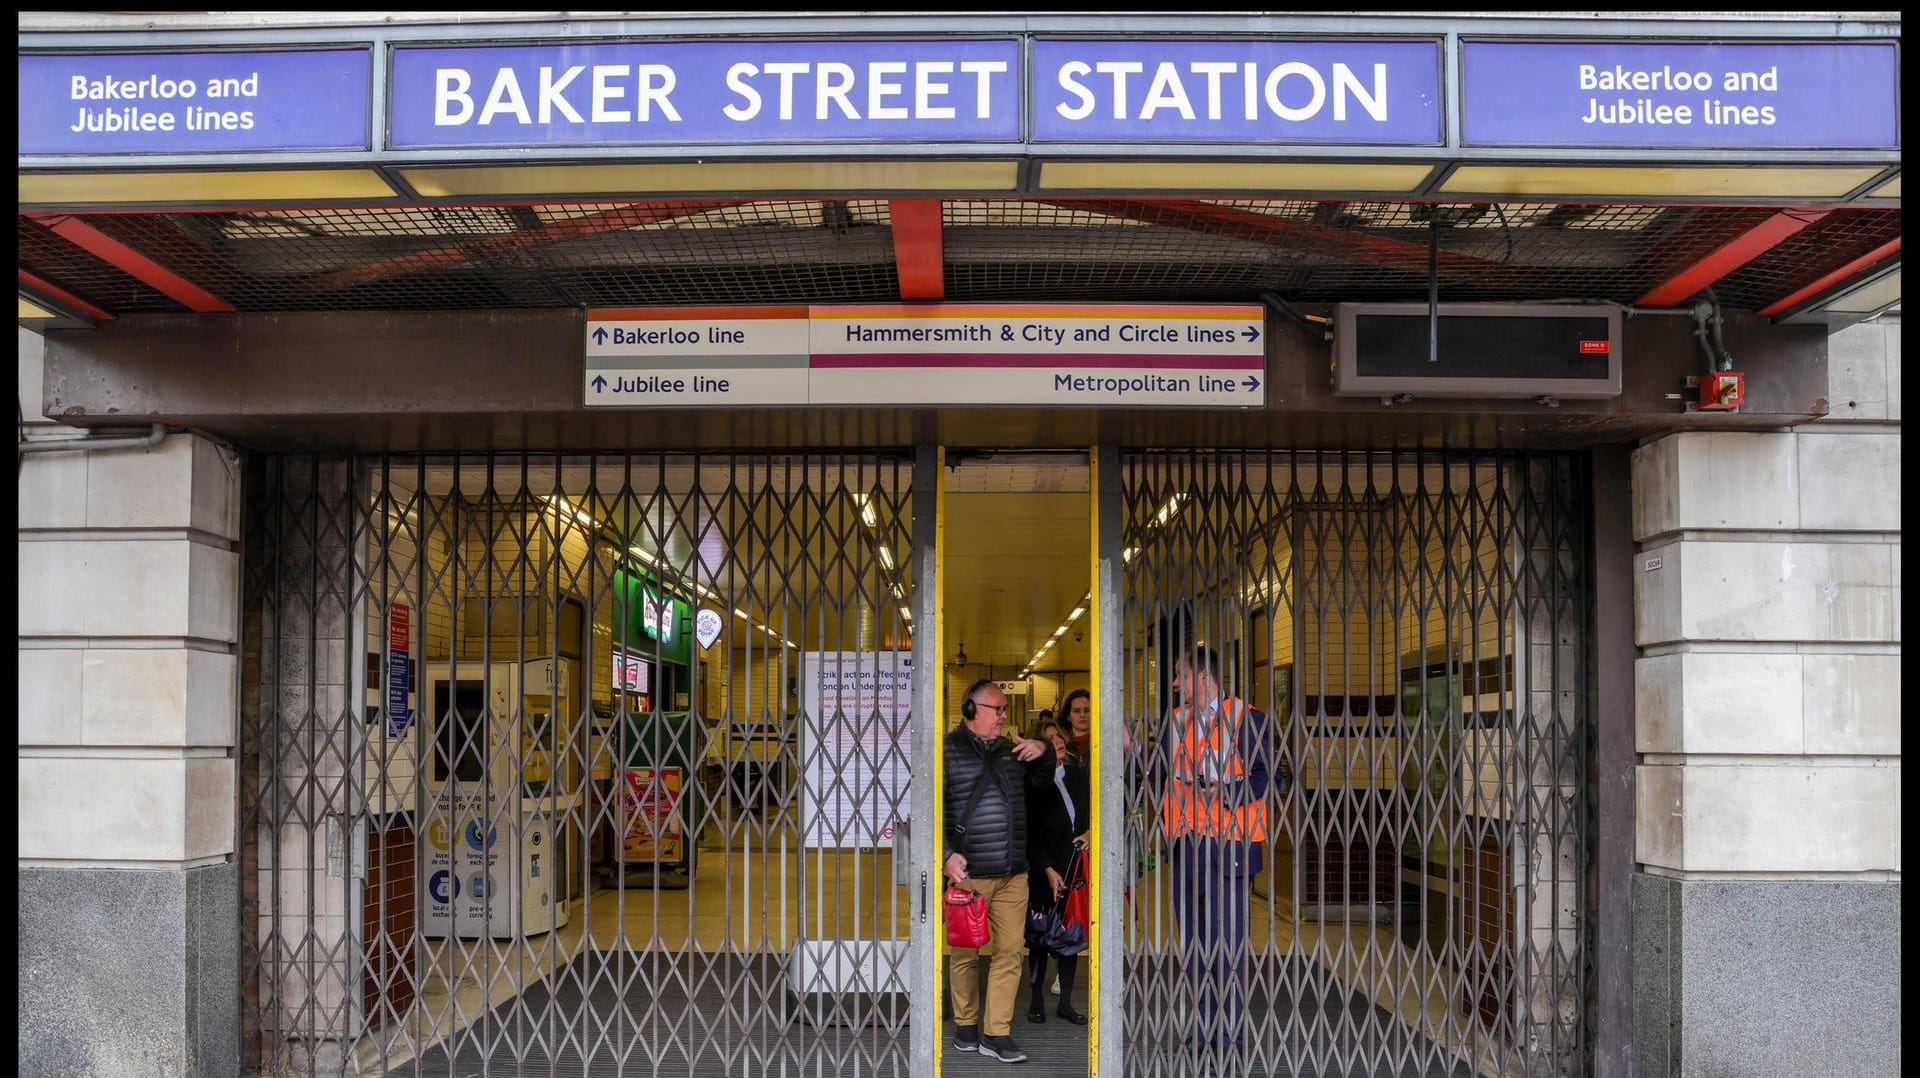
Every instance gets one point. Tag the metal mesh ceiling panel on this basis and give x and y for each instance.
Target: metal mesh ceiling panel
(725, 251)
(1834, 240)
(65, 265)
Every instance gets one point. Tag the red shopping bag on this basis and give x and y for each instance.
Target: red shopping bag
(966, 917)
(1076, 913)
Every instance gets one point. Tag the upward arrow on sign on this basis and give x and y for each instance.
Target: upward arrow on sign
(599, 382)
(600, 335)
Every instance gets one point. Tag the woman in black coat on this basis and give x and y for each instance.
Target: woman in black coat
(1057, 818)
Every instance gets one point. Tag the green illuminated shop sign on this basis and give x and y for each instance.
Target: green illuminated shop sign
(647, 621)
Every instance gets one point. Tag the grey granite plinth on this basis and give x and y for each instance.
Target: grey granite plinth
(129, 972)
(1765, 978)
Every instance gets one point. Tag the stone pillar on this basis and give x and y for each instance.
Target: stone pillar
(1766, 903)
(129, 600)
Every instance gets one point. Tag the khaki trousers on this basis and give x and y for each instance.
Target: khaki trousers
(1007, 925)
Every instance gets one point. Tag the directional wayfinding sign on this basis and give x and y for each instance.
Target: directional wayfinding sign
(940, 354)
(1043, 354)
(675, 357)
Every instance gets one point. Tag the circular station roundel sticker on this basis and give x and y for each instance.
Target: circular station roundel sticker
(706, 627)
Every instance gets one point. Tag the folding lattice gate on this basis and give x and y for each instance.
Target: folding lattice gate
(1412, 625)
(609, 788)
(607, 685)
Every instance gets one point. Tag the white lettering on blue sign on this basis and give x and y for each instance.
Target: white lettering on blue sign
(707, 91)
(1237, 91)
(185, 102)
(1803, 94)
(1269, 89)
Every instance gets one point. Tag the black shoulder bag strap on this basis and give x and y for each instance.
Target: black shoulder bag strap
(973, 799)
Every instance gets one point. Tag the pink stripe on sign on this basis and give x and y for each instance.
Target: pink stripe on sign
(919, 360)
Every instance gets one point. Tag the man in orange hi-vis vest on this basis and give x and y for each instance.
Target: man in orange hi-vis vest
(1213, 808)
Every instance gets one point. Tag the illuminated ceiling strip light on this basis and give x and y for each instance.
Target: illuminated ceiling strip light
(1654, 181)
(585, 518)
(1826, 281)
(1214, 176)
(1890, 189)
(30, 309)
(275, 188)
(886, 556)
(560, 503)
(832, 177)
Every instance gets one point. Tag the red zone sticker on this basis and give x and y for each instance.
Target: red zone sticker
(1593, 346)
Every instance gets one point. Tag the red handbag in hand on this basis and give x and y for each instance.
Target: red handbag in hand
(1076, 912)
(966, 917)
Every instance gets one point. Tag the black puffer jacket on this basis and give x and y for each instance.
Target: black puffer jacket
(995, 840)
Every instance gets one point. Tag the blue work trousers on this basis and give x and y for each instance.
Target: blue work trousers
(1211, 881)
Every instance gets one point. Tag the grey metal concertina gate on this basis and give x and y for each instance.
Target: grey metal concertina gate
(1412, 625)
(566, 764)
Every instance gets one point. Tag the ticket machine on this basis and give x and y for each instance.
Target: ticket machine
(493, 806)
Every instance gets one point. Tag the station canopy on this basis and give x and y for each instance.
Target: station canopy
(1464, 191)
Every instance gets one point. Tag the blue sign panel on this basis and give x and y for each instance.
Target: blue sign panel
(707, 92)
(398, 714)
(1801, 96)
(1361, 92)
(189, 102)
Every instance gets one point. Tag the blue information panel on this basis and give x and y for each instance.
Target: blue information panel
(1360, 92)
(398, 684)
(1797, 96)
(707, 92)
(188, 102)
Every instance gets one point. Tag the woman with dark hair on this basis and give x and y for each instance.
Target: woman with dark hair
(1058, 818)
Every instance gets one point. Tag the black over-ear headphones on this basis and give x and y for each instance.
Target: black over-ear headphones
(966, 702)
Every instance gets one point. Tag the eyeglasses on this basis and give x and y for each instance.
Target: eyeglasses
(998, 709)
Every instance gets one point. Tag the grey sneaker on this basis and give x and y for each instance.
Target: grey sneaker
(966, 1038)
(1002, 1049)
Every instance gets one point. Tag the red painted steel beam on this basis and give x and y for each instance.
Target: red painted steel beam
(1234, 223)
(1730, 256)
(61, 295)
(132, 262)
(510, 243)
(917, 248)
(1878, 254)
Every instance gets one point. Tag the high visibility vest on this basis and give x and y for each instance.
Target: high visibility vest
(1184, 809)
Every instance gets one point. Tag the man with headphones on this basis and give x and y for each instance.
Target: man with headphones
(986, 845)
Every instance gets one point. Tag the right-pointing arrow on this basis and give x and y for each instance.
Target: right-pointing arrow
(1252, 383)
